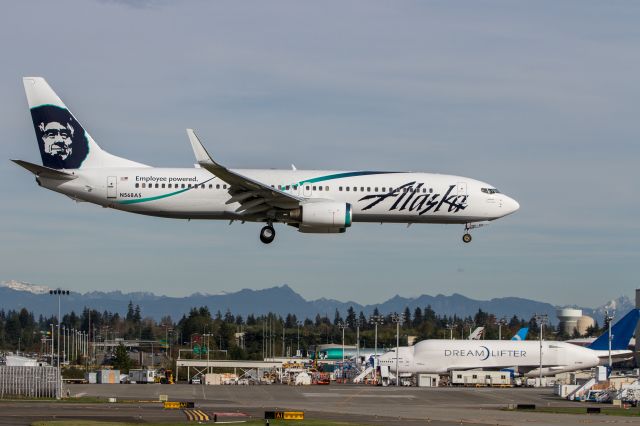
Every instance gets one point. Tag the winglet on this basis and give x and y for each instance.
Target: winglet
(202, 156)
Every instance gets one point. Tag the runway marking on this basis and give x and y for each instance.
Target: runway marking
(328, 395)
(196, 415)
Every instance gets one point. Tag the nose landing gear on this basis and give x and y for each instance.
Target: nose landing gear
(267, 234)
(467, 231)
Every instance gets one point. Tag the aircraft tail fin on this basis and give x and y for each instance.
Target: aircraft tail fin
(622, 332)
(477, 333)
(63, 142)
(521, 334)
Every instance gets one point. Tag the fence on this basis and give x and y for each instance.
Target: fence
(30, 382)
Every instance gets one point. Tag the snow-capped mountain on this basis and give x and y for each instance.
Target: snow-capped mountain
(618, 307)
(22, 286)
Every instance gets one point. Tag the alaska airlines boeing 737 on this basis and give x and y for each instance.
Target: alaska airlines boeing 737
(313, 201)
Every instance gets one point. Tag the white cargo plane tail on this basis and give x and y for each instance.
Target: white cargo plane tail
(312, 201)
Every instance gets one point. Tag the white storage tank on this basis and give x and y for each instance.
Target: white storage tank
(568, 319)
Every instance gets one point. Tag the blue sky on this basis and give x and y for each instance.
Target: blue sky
(538, 98)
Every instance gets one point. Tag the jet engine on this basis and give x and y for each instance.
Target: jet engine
(323, 217)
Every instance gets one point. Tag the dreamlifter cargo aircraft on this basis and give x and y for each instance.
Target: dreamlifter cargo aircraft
(523, 357)
(313, 201)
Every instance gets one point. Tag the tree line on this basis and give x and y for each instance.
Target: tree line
(19, 329)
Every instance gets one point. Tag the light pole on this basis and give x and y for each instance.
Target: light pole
(609, 319)
(64, 344)
(450, 327)
(51, 344)
(298, 323)
(503, 321)
(59, 293)
(375, 320)
(358, 342)
(398, 319)
(342, 327)
(541, 319)
(207, 335)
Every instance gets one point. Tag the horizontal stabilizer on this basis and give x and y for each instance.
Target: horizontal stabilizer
(45, 172)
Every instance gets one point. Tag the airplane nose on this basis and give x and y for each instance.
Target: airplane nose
(511, 205)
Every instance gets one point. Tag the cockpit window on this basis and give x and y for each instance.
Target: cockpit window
(490, 190)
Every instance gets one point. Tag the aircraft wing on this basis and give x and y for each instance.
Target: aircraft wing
(254, 196)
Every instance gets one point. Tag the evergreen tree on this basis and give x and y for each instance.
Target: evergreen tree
(417, 317)
(129, 316)
(122, 361)
(351, 317)
(337, 318)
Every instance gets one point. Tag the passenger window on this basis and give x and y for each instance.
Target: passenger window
(319, 188)
(183, 185)
(376, 189)
(339, 188)
(326, 188)
(210, 186)
(355, 188)
(137, 185)
(288, 187)
(362, 188)
(314, 188)
(346, 188)
(144, 185)
(368, 189)
(157, 186)
(384, 189)
(224, 186)
(306, 187)
(295, 186)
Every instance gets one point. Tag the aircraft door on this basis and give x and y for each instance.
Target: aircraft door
(462, 188)
(306, 189)
(112, 186)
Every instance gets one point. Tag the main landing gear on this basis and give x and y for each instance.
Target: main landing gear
(466, 238)
(267, 234)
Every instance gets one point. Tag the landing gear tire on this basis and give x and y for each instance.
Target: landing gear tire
(466, 238)
(267, 234)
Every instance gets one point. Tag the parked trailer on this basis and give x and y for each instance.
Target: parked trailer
(142, 376)
(428, 380)
(481, 378)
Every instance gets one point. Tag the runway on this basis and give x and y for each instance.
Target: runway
(358, 404)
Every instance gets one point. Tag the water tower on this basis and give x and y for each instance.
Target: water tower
(568, 319)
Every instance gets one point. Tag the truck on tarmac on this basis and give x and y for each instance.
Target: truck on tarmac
(142, 376)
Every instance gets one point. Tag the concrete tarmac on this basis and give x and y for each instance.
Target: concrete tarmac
(358, 404)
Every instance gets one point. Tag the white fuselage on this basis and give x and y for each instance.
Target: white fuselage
(195, 193)
(442, 356)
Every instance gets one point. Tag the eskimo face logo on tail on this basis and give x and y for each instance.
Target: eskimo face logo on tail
(62, 141)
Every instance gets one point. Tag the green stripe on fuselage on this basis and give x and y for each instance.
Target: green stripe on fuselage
(157, 197)
(342, 175)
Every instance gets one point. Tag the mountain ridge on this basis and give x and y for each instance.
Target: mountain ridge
(281, 300)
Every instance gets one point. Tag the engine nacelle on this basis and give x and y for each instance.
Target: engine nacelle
(323, 214)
